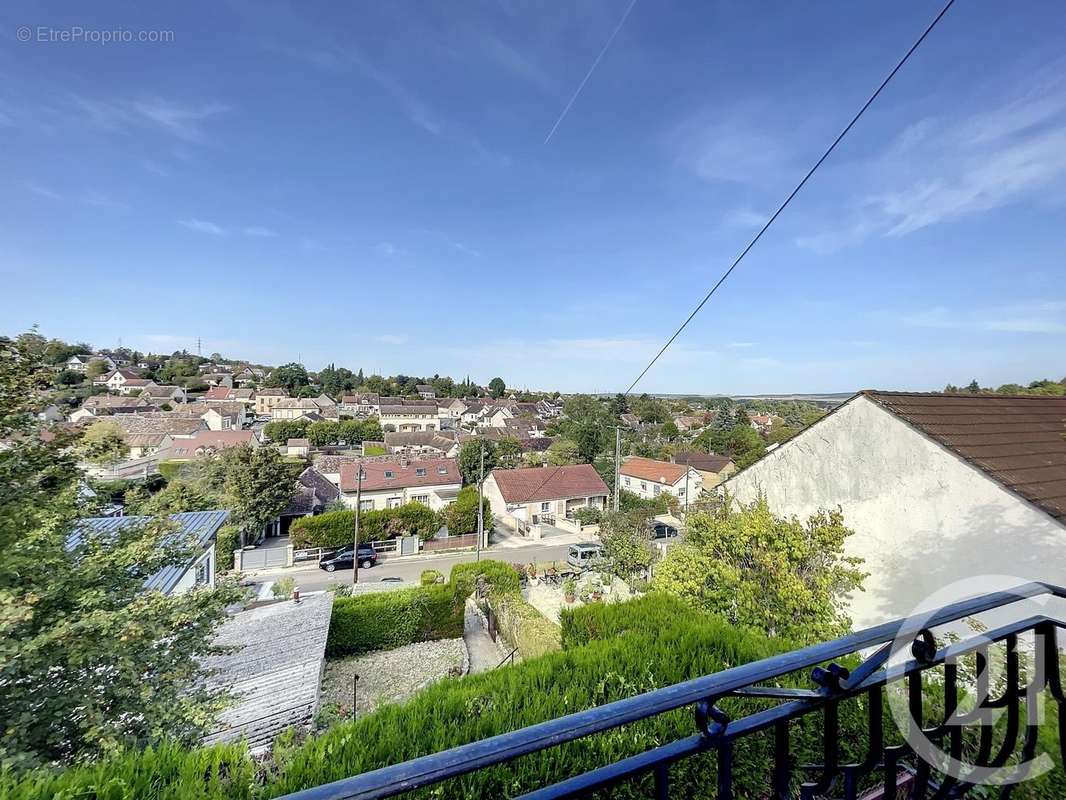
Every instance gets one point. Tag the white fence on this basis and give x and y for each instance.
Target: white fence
(315, 553)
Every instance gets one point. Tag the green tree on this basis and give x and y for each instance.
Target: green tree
(470, 459)
(508, 453)
(624, 535)
(95, 368)
(280, 431)
(68, 377)
(497, 387)
(779, 575)
(563, 452)
(90, 662)
(103, 443)
(324, 432)
(292, 376)
(461, 516)
(258, 485)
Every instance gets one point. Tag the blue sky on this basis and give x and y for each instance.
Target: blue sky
(371, 184)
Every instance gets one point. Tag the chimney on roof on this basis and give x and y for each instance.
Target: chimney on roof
(404, 461)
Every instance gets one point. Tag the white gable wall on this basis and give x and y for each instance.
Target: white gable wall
(923, 518)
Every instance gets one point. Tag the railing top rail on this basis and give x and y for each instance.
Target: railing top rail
(398, 778)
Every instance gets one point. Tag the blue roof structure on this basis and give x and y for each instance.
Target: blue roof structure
(202, 525)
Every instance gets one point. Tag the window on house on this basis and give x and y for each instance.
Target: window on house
(658, 490)
(420, 472)
(627, 480)
(393, 502)
(366, 505)
(203, 572)
(680, 492)
(421, 498)
(644, 486)
(442, 470)
(545, 507)
(389, 473)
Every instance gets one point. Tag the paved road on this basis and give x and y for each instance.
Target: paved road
(311, 578)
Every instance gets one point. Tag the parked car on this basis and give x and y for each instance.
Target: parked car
(661, 530)
(342, 559)
(585, 555)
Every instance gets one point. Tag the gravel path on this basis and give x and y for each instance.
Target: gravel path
(390, 676)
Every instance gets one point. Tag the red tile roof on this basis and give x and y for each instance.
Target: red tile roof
(1018, 440)
(218, 393)
(648, 469)
(705, 462)
(437, 472)
(536, 484)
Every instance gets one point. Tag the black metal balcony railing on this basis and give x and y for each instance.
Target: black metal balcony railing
(833, 684)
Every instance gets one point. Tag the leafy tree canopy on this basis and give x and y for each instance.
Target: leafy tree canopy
(779, 575)
(497, 387)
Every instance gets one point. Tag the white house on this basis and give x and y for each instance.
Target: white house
(163, 394)
(434, 482)
(938, 488)
(414, 416)
(125, 381)
(543, 495)
(80, 362)
(648, 478)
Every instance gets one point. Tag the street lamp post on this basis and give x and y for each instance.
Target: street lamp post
(358, 504)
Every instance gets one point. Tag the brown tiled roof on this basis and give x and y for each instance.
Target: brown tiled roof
(438, 471)
(1018, 440)
(218, 393)
(705, 462)
(536, 484)
(648, 469)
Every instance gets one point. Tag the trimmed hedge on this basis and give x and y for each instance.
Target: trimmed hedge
(458, 711)
(519, 622)
(336, 528)
(384, 620)
(596, 621)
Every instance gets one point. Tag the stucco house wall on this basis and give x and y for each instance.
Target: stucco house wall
(923, 517)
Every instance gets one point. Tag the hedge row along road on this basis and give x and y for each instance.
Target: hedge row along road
(313, 579)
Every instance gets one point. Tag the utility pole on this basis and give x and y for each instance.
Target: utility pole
(480, 506)
(358, 503)
(688, 469)
(617, 461)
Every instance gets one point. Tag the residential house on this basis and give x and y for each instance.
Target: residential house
(687, 423)
(541, 495)
(50, 413)
(412, 416)
(548, 410)
(199, 526)
(298, 447)
(425, 391)
(80, 362)
(713, 468)
(422, 444)
(496, 417)
(648, 478)
(472, 413)
(146, 433)
(293, 408)
(450, 412)
(937, 487)
(222, 416)
(434, 482)
(163, 394)
(203, 443)
(631, 421)
(218, 394)
(266, 399)
(124, 381)
(761, 422)
(218, 379)
(329, 465)
(314, 493)
(525, 428)
(243, 376)
(105, 404)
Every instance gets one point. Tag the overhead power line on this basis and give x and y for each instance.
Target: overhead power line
(795, 191)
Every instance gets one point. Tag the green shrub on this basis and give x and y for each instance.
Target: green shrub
(384, 620)
(170, 469)
(431, 576)
(589, 515)
(283, 586)
(499, 575)
(524, 626)
(337, 528)
(166, 772)
(648, 614)
(227, 540)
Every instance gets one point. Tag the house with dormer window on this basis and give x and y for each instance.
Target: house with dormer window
(434, 482)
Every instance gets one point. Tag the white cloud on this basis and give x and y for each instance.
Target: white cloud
(259, 231)
(43, 191)
(736, 149)
(744, 218)
(186, 122)
(203, 226)
(735, 345)
(391, 338)
(388, 250)
(944, 169)
(1047, 317)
